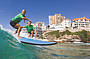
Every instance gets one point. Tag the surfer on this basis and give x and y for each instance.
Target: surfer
(16, 20)
(30, 29)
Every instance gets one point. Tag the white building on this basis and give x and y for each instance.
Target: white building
(81, 22)
(56, 19)
(40, 25)
(66, 23)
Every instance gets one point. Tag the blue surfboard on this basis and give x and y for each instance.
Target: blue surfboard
(35, 42)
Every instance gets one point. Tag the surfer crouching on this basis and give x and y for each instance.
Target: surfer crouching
(30, 29)
(16, 20)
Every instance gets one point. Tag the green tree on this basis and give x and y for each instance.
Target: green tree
(83, 35)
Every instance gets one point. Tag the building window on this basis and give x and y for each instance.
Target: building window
(86, 24)
(79, 20)
(82, 24)
(83, 20)
(75, 24)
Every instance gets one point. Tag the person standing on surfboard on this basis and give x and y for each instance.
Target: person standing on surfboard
(16, 20)
(30, 29)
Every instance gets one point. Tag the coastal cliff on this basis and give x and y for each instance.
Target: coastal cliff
(67, 36)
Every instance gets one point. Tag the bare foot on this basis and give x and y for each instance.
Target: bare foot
(19, 37)
(15, 32)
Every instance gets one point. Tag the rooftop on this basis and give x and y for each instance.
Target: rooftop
(81, 19)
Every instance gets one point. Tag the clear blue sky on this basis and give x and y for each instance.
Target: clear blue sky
(39, 10)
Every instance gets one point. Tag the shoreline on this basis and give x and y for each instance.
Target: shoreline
(60, 41)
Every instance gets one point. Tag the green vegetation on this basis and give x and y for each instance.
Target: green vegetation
(56, 33)
(41, 37)
(84, 35)
(66, 32)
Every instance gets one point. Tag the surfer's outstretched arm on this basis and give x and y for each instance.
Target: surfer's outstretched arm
(22, 26)
(26, 19)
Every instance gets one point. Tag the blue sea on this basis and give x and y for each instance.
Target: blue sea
(10, 48)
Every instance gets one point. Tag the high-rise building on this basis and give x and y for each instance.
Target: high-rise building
(51, 20)
(56, 19)
(66, 23)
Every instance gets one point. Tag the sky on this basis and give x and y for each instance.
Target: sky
(39, 10)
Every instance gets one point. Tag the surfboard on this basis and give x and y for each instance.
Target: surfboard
(35, 42)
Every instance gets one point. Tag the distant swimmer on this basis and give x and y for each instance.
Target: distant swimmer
(16, 20)
(30, 29)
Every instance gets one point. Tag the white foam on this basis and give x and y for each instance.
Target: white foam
(9, 31)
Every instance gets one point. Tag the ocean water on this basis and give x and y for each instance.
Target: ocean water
(10, 48)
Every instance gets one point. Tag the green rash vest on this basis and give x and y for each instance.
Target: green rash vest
(18, 18)
(30, 28)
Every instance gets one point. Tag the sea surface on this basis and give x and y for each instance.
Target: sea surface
(10, 48)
